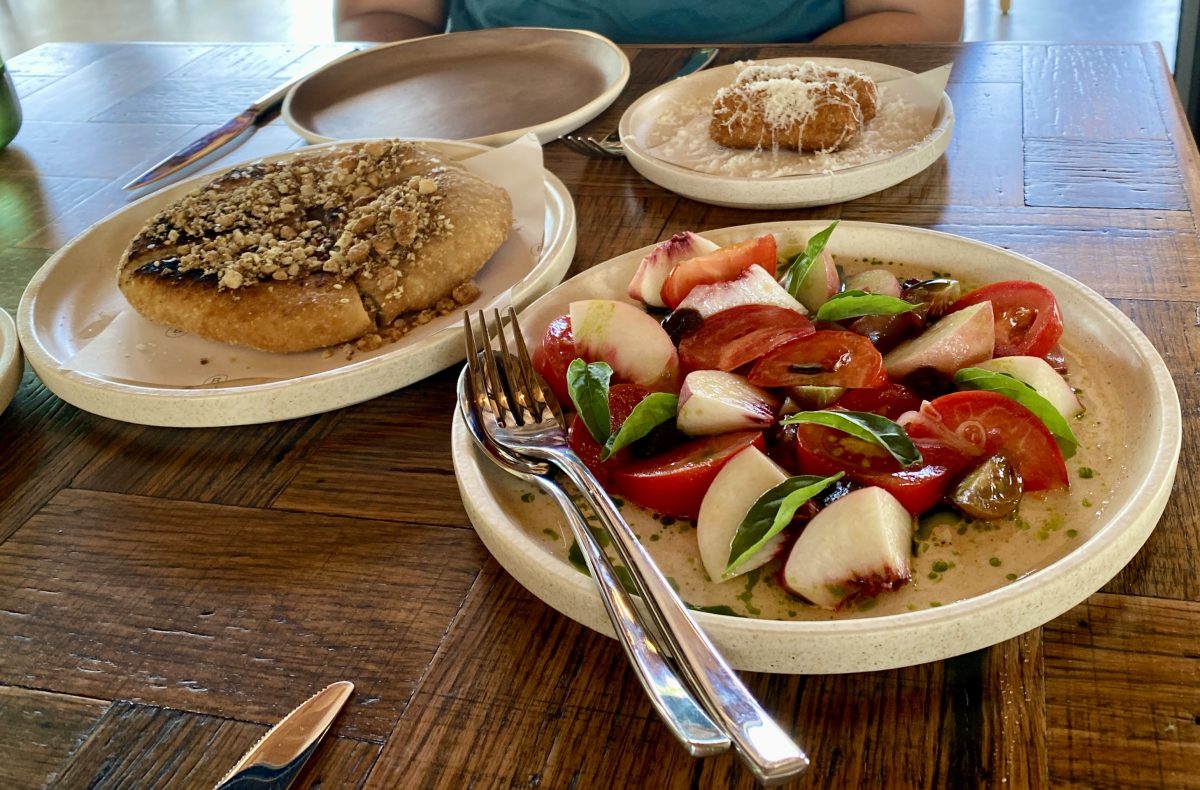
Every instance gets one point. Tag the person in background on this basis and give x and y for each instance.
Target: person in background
(646, 21)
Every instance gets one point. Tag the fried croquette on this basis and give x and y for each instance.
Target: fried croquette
(804, 106)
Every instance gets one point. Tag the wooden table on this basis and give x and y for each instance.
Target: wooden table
(167, 594)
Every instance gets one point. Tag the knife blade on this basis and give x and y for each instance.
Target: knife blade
(275, 760)
(699, 59)
(233, 132)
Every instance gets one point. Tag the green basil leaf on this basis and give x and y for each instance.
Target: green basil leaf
(866, 426)
(798, 269)
(770, 513)
(588, 385)
(1027, 396)
(852, 304)
(653, 410)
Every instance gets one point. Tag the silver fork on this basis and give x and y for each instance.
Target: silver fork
(608, 147)
(530, 425)
(669, 696)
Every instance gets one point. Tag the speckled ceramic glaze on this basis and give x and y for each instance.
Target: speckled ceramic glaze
(817, 189)
(11, 363)
(473, 86)
(1137, 406)
(67, 296)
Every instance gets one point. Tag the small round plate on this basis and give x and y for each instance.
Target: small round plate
(481, 86)
(684, 104)
(11, 363)
(75, 295)
(999, 584)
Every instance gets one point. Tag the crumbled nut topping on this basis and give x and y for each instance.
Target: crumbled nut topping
(354, 216)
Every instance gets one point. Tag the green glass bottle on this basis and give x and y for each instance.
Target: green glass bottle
(10, 107)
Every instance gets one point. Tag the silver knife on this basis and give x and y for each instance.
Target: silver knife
(258, 114)
(699, 59)
(273, 762)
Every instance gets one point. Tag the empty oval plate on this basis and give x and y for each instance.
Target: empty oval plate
(481, 86)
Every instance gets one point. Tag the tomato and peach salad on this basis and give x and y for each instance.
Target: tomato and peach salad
(792, 412)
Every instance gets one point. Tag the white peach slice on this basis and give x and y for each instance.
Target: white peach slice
(854, 549)
(874, 281)
(963, 338)
(654, 269)
(820, 283)
(1038, 374)
(753, 286)
(735, 489)
(630, 341)
(712, 401)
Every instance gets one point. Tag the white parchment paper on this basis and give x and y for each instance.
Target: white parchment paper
(135, 350)
(907, 109)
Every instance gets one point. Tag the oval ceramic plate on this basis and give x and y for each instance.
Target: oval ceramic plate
(684, 104)
(11, 364)
(1054, 562)
(74, 296)
(482, 86)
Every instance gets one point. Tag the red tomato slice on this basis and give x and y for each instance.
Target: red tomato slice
(622, 398)
(826, 358)
(674, 483)
(889, 401)
(993, 423)
(731, 338)
(718, 266)
(1028, 321)
(552, 356)
(824, 451)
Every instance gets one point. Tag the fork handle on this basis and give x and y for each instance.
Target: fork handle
(676, 706)
(767, 750)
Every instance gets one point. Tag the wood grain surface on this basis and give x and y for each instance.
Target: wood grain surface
(167, 594)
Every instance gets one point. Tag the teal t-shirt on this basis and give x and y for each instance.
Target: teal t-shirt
(647, 21)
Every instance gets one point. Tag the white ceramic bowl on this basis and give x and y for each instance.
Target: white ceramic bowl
(487, 86)
(1098, 338)
(11, 362)
(816, 189)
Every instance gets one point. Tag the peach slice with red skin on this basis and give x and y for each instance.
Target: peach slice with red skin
(854, 549)
(654, 269)
(713, 401)
(630, 341)
(753, 286)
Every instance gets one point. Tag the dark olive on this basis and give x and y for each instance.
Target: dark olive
(888, 331)
(680, 323)
(929, 383)
(989, 491)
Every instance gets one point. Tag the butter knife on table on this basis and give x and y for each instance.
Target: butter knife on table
(276, 759)
(234, 132)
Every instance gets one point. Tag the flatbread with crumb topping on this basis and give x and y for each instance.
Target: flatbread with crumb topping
(324, 247)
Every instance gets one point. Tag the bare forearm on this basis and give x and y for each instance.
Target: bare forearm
(887, 27)
(382, 26)
(387, 20)
(886, 21)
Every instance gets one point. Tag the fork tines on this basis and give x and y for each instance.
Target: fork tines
(590, 146)
(512, 386)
